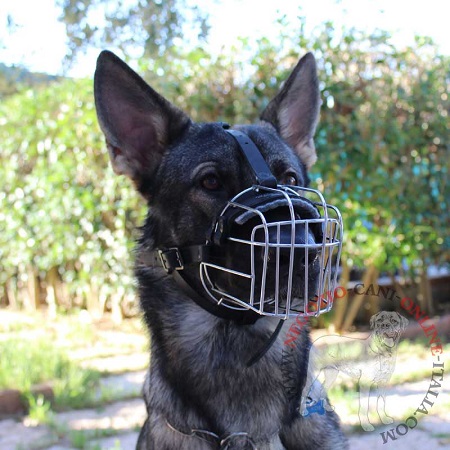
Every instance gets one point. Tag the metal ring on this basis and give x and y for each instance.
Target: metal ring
(224, 443)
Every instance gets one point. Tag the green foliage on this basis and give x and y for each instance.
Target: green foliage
(27, 362)
(39, 409)
(80, 439)
(59, 203)
(152, 26)
(382, 144)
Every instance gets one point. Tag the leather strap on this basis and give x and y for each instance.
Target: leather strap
(174, 260)
(264, 176)
(240, 317)
(264, 349)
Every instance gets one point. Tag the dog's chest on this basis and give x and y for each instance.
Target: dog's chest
(213, 359)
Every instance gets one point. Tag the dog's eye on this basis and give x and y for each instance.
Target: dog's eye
(211, 182)
(289, 179)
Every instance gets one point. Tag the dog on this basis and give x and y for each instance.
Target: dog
(215, 380)
(370, 361)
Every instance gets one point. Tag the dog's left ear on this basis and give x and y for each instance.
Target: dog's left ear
(294, 112)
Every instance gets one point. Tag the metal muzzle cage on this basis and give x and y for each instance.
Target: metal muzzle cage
(293, 261)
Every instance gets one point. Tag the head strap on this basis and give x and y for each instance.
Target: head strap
(256, 161)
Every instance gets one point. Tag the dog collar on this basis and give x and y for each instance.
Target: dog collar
(224, 441)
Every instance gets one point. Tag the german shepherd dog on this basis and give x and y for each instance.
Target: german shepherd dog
(201, 393)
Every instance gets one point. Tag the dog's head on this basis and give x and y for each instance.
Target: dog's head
(188, 172)
(388, 327)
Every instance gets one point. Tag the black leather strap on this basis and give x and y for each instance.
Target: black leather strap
(265, 348)
(240, 317)
(174, 260)
(256, 161)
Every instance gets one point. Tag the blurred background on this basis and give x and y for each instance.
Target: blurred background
(69, 318)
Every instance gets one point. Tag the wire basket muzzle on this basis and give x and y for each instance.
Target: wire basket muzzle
(278, 253)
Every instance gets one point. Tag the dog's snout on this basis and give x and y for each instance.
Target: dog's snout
(292, 241)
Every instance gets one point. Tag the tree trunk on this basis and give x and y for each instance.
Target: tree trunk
(398, 287)
(11, 293)
(116, 310)
(425, 295)
(52, 291)
(370, 275)
(341, 303)
(33, 289)
(93, 302)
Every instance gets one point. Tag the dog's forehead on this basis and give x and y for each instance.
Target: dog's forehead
(383, 315)
(274, 149)
(210, 143)
(201, 143)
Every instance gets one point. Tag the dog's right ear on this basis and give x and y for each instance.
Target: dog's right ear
(138, 123)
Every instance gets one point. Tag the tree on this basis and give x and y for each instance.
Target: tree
(143, 28)
(60, 205)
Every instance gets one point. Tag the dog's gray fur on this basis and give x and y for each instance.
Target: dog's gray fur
(198, 377)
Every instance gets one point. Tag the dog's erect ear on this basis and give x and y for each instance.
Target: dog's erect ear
(294, 112)
(138, 123)
(372, 320)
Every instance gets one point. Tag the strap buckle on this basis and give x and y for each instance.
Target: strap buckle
(171, 259)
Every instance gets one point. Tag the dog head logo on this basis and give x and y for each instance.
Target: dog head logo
(388, 327)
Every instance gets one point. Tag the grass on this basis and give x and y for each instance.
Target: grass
(27, 362)
(35, 350)
(39, 409)
(80, 439)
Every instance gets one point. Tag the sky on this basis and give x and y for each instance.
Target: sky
(38, 42)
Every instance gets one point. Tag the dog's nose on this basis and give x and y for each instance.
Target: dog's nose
(287, 237)
(305, 251)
